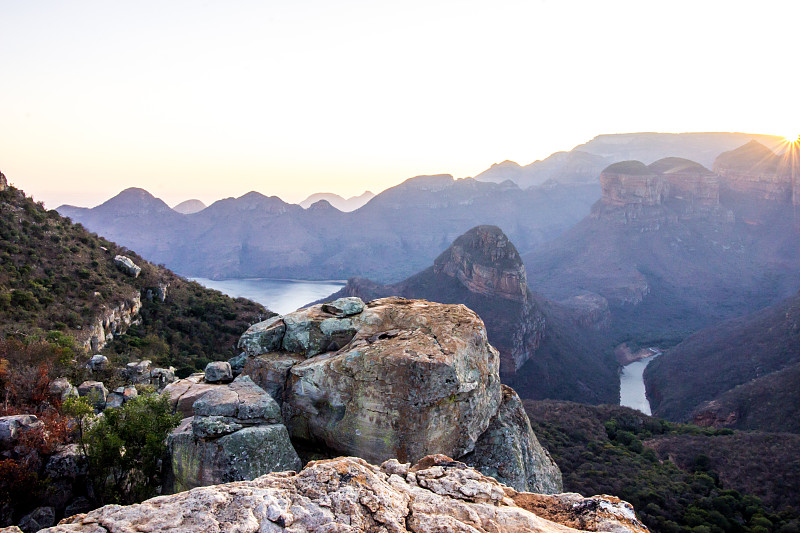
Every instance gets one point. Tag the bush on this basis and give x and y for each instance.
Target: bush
(125, 449)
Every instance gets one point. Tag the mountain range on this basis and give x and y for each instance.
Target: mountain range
(342, 204)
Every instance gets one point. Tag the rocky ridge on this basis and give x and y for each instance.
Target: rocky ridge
(755, 170)
(348, 494)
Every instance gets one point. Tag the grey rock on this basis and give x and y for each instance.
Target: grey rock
(214, 426)
(62, 389)
(218, 371)
(161, 377)
(125, 264)
(95, 391)
(67, 462)
(40, 518)
(77, 506)
(510, 452)
(263, 337)
(97, 362)
(242, 400)
(129, 393)
(270, 371)
(242, 455)
(344, 306)
(114, 400)
(185, 392)
(237, 363)
(11, 427)
(138, 372)
(312, 331)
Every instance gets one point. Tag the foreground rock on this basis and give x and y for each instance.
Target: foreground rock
(399, 379)
(236, 434)
(348, 495)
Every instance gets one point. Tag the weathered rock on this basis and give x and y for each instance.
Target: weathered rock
(112, 321)
(348, 495)
(184, 392)
(40, 518)
(161, 377)
(312, 331)
(11, 427)
(125, 264)
(3, 182)
(62, 389)
(218, 372)
(9, 529)
(757, 171)
(67, 462)
(242, 399)
(510, 452)
(244, 454)
(78, 505)
(138, 372)
(418, 378)
(95, 391)
(343, 307)
(114, 400)
(631, 182)
(270, 371)
(129, 393)
(263, 337)
(237, 363)
(97, 362)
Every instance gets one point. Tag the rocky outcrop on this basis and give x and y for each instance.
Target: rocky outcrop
(631, 182)
(112, 321)
(757, 171)
(510, 452)
(236, 434)
(485, 262)
(3, 182)
(12, 427)
(348, 494)
(415, 378)
(688, 181)
(125, 264)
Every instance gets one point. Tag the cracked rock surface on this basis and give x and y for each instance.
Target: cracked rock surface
(348, 494)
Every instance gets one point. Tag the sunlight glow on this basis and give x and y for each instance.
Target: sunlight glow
(792, 138)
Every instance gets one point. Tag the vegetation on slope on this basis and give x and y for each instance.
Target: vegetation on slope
(57, 277)
(607, 450)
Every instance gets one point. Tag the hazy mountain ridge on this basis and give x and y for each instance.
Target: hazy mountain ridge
(187, 207)
(584, 163)
(340, 203)
(398, 232)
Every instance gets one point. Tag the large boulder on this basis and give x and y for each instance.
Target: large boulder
(218, 371)
(236, 434)
(510, 452)
(417, 378)
(96, 393)
(13, 426)
(271, 371)
(62, 389)
(125, 264)
(347, 495)
(184, 392)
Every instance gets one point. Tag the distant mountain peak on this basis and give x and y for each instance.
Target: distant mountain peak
(189, 207)
(134, 201)
(485, 262)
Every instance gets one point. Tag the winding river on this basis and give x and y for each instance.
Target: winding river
(631, 385)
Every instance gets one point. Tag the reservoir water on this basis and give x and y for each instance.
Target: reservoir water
(280, 296)
(631, 385)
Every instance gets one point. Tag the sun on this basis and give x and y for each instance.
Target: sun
(792, 138)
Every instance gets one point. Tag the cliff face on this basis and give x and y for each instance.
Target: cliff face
(112, 321)
(757, 171)
(485, 262)
(631, 182)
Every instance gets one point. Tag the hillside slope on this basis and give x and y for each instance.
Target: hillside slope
(56, 276)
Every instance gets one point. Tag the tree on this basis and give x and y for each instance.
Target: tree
(125, 447)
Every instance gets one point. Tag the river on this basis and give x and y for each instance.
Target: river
(280, 296)
(631, 385)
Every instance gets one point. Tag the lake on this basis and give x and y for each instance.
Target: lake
(631, 385)
(280, 296)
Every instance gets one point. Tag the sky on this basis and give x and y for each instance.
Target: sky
(207, 100)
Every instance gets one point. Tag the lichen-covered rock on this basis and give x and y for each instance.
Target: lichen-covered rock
(11, 427)
(237, 363)
(263, 337)
(67, 462)
(97, 362)
(161, 377)
(218, 371)
(417, 378)
(96, 392)
(62, 389)
(343, 307)
(348, 495)
(312, 331)
(184, 392)
(138, 372)
(242, 399)
(510, 452)
(270, 371)
(114, 400)
(127, 265)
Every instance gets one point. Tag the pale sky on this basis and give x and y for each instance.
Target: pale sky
(193, 99)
